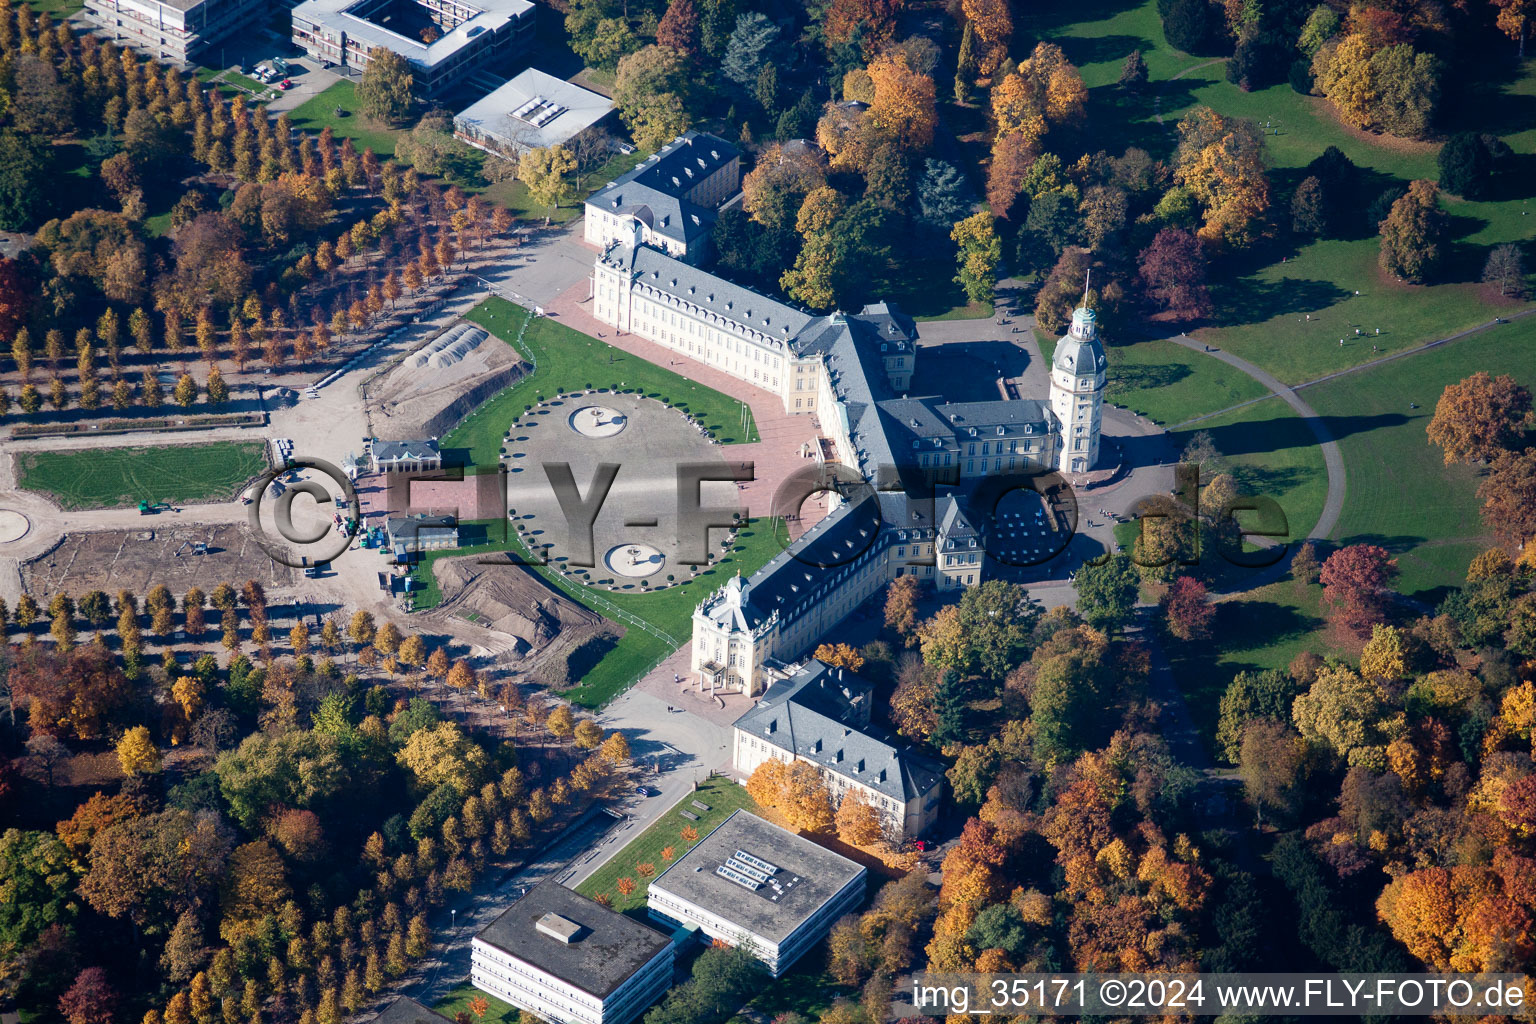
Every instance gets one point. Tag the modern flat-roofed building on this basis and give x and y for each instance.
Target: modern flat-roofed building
(443, 40)
(173, 30)
(570, 960)
(821, 715)
(672, 198)
(531, 111)
(751, 883)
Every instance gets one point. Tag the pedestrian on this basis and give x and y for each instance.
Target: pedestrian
(1357, 332)
(1341, 342)
(1378, 332)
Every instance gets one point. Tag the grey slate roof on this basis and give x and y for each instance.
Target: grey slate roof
(808, 716)
(607, 951)
(406, 1010)
(717, 296)
(410, 526)
(822, 874)
(393, 451)
(656, 191)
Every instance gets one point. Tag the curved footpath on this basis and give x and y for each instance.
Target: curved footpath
(1333, 505)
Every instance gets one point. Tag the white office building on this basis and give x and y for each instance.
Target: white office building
(751, 883)
(571, 961)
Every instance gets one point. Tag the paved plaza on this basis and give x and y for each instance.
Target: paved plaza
(639, 444)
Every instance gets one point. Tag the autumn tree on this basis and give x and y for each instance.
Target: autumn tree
(1219, 160)
(545, 172)
(1414, 234)
(1509, 496)
(979, 256)
(90, 1000)
(385, 90)
(1270, 764)
(137, 753)
(840, 655)
(901, 607)
(1355, 581)
(679, 27)
(1188, 609)
(858, 822)
(1480, 418)
(1173, 273)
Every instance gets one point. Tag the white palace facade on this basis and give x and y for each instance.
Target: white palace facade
(853, 372)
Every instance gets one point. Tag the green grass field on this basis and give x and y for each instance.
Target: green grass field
(314, 114)
(722, 795)
(1263, 629)
(121, 477)
(807, 989)
(1263, 303)
(459, 999)
(568, 359)
(1165, 382)
(1401, 494)
(1272, 453)
(59, 9)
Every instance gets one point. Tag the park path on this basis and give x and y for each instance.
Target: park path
(1333, 459)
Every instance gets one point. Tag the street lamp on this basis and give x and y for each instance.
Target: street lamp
(453, 918)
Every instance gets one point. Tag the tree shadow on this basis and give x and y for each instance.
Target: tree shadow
(1044, 19)
(1102, 49)
(1246, 300)
(1127, 379)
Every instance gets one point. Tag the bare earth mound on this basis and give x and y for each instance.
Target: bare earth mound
(511, 600)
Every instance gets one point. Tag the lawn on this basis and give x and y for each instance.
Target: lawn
(1165, 382)
(1272, 452)
(722, 795)
(59, 9)
(459, 999)
(1263, 303)
(514, 195)
(120, 477)
(567, 359)
(1263, 629)
(1401, 494)
(318, 112)
(657, 622)
(807, 989)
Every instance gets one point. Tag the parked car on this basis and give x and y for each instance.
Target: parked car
(285, 84)
(646, 791)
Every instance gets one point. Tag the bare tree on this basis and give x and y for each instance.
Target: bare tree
(48, 752)
(214, 730)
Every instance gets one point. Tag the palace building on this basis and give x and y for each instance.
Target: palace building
(670, 200)
(921, 455)
(821, 715)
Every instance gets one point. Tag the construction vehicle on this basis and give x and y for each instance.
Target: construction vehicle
(198, 547)
(148, 509)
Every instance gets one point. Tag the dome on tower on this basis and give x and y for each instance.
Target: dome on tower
(1079, 351)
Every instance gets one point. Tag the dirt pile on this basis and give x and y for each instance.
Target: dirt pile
(509, 599)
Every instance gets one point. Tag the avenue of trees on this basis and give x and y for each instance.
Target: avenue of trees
(274, 832)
